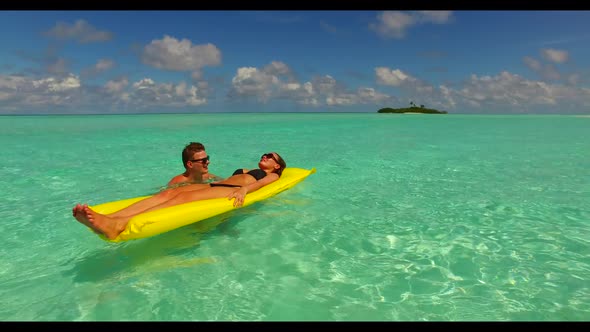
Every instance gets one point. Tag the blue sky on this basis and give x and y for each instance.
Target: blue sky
(488, 62)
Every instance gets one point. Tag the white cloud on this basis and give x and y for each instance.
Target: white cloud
(268, 83)
(393, 24)
(291, 86)
(394, 77)
(308, 88)
(532, 63)
(303, 94)
(447, 99)
(197, 75)
(53, 84)
(324, 85)
(12, 82)
(80, 31)
(251, 82)
(181, 89)
(557, 56)
(116, 86)
(361, 96)
(147, 93)
(180, 55)
(573, 79)
(277, 68)
(25, 92)
(102, 65)
(5, 95)
(369, 96)
(342, 99)
(507, 91)
(193, 97)
(546, 71)
(28, 94)
(144, 83)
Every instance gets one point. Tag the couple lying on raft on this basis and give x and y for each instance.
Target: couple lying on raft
(271, 167)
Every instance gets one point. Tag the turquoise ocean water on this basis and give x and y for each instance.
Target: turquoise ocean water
(408, 218)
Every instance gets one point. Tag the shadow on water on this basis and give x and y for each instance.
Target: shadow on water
(174, 249)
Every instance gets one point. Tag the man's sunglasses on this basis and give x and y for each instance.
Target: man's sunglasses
(202, 160)
(269, 156)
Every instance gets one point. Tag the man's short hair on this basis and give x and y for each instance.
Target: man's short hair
(189, 151)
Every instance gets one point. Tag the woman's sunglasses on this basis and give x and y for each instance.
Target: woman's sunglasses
(269, 156)
(202, 160)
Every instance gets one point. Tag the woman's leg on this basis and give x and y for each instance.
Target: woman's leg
(101, 224)
(192, 196)
(111, 227)
(156, 199)
(80, 215)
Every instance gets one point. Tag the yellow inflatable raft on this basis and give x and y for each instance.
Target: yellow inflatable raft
(164, 220)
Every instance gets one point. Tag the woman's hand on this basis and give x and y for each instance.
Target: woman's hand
(239, 195)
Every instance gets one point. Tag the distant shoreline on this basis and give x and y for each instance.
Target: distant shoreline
(411, 110)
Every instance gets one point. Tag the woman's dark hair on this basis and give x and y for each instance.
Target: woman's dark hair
(281, 163)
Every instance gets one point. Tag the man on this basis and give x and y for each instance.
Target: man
(196, 165)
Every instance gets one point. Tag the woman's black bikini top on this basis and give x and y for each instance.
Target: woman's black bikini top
(256, 173)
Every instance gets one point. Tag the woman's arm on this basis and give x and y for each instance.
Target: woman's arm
(240, 193)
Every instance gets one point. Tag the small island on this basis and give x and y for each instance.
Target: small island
(413, 109)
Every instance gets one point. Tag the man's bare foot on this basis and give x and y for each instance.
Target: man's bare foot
(80, 215)
(110, 227)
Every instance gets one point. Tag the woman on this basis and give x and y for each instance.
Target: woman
(243, 181)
